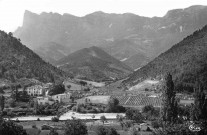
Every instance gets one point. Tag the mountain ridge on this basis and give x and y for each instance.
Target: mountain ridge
(151, 35)
(17, 61)
(186, 61)
(93, 64)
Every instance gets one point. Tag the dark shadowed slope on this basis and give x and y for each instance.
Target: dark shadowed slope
(18, 61)
(52, 52)
(186, 61)
(94, 64)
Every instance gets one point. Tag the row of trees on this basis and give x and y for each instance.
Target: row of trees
(170, 111)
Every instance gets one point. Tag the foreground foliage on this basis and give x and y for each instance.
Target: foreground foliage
(75, 127)
(10, 128)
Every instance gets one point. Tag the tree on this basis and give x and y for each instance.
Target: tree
(10, 34)
(199, 109)
(130, 114)
(75, 127)
(101, 130)
(10, 128)
(133, 131)
(135, 115)
(2, 102)
(57, 89)
(169, 108)
(150, 112)
(103, 118)
(53, 132)
(112, 105)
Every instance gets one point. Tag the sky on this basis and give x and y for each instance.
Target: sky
(12, 11)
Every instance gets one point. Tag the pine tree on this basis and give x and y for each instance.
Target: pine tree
(169, 107)
(2, 102)
(199, 109)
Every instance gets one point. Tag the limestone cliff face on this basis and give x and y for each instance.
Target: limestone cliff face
(147, 36)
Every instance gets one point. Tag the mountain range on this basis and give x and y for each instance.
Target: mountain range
(93, 64)
(186, 61)
(133, 35)
(17, 61)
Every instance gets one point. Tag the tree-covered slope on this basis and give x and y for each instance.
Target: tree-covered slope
(93, 63)
(17, 61)
(186, 61)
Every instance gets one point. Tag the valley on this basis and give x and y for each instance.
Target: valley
(105, 74)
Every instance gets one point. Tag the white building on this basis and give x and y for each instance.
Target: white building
(36, 90)
(44, 100)
(61, 97)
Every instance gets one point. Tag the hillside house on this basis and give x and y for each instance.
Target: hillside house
(36, 90)
(61, 97)
(44, 100)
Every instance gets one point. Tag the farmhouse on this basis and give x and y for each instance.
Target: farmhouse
(44, 100)
(61, 97)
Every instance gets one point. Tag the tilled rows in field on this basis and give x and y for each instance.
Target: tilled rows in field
(138, 100)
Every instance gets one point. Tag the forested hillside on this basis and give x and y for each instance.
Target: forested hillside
(186, 61)
(17, 61)
(93, 64)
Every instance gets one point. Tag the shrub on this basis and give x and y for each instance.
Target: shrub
(34, 126)
(101, 130)
(156, 124)
(38, 119)
(75, 127)
(55, 119)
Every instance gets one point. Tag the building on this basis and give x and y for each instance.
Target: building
(61, 97)
(44, 100)
(36, 90)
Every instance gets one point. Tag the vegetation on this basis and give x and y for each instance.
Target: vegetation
(2, 103)
(169, 108)
(53, 132)
(10, 128)
(199, 109)
(55, 119)
(88, 107)
(47, 109)
(134, 115)
(75, 127)
(150, 113)
(185, 60)
(101, 130)
(17, 61)
(103, 119)
(57, 89)
(93, 64)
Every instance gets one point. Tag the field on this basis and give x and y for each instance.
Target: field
(138, 100)
(145, 84)
(91, 125)
(95, 99)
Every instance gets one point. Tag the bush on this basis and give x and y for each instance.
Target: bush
(55, 119)
(101, 130)
(156, 124)
(148, 129)
(38, 119)
(34, 126)
(76, 126)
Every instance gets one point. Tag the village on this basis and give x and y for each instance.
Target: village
(42, 99)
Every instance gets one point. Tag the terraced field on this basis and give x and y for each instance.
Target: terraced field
(138, 100)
